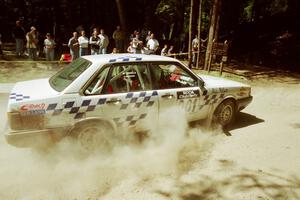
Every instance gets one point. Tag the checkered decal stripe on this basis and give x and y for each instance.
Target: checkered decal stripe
(18, 97)
(131, 99)
(137, 100)
(78, 111)
(211, 99)
(130, 120)
(124, 59)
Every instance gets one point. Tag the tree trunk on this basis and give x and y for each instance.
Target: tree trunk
(216, 34)
(121, 15)
(190, 34)
(199, 32)
(63, 11)
(211, 34)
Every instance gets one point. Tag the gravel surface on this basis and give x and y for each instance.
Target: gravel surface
(257, 159)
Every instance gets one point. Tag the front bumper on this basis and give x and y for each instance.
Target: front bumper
(243, 103)
(35, 138)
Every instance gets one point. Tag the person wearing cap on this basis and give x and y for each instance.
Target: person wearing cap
(32, 42)
(49, 45)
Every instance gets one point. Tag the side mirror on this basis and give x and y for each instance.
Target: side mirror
(202, 88)
(201, 84)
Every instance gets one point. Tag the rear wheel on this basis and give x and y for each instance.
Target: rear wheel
(95, 136)
(225, 113)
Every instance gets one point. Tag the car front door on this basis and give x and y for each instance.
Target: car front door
(178, 88)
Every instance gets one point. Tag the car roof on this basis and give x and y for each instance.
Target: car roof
(119, 58)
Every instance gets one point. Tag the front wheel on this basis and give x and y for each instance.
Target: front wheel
(225, 113)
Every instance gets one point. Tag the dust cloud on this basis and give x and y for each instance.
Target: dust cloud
(147, 170)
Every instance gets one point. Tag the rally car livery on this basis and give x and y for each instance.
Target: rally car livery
(97, 94)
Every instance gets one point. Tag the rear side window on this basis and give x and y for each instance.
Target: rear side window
(96, 86)
(129, 77)
(67, 75)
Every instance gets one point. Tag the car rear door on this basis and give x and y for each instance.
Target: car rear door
(125, 96)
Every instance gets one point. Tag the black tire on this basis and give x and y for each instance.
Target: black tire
(95, 136)
(225, 113)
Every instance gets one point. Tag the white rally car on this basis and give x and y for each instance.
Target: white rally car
(97, 94)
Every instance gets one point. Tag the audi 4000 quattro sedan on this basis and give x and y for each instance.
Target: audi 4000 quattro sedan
(95, 95)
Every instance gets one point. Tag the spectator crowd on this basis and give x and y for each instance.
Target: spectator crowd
(81, 44)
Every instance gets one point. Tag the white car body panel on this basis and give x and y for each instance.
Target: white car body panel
(71, 106)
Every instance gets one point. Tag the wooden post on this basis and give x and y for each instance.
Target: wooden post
(199, 33)
(221, 68)
(121, 15)
(221, 49)
(211, 34)
(190, 34)
(216, 34)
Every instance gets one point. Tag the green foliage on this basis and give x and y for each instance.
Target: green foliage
(254, 9)
(248, 11)
(277, 6)
(166, 10)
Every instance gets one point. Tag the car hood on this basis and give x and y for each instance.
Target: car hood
(216, 82)
(31, 90)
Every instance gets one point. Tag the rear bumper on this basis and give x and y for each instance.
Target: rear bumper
(243, 103)
(35, 138)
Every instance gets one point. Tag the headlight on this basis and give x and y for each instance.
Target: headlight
(244, 91)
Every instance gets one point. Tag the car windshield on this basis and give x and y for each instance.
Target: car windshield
(67, 75)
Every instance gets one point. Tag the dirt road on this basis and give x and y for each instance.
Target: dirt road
(259, 158)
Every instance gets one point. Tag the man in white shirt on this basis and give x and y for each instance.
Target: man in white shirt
(152, 44)
(49, 45)
(83, 44)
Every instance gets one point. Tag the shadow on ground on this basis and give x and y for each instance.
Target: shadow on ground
(243, 120)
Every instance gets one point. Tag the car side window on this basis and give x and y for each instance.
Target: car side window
(170, 75)
(96, 86)
(128, 78)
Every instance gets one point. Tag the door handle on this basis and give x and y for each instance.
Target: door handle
(168, 96)
(114, 101)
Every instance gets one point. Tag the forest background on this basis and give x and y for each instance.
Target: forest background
(261, 32)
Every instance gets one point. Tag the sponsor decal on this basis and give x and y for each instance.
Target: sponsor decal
(33, 112)
(188, 94)
(28, 107)
(33, 109)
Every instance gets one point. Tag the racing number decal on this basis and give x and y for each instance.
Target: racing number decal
(189, 100)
